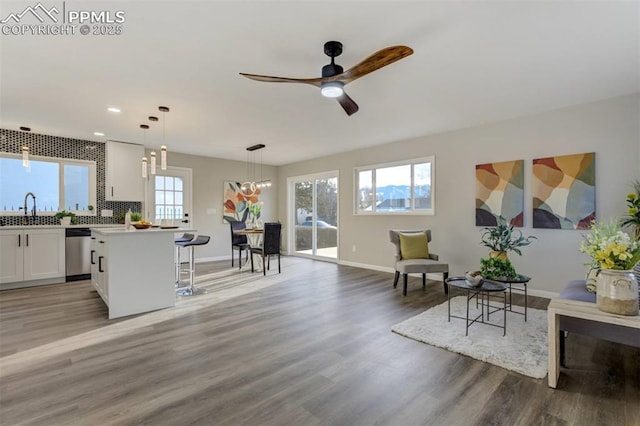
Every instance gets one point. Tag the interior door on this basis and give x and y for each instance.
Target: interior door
(314, 215)
(169, 197)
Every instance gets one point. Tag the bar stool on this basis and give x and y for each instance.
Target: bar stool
(199, 241)
(185, 237)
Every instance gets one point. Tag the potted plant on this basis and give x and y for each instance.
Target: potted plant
(614, 253)
(495, 267)
(504, 238)
(120, 216)
(66, 218)
(136, 217)
(501, 239)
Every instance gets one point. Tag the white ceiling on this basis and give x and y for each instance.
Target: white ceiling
(474, 62)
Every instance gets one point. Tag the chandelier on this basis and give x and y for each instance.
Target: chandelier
(253, 183)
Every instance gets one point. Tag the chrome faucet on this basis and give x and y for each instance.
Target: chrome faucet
(33, 210)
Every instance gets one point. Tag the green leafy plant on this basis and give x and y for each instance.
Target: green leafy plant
(495, 268)
(136, 217)
(120, 216)
(632, 219)
(65, 213)
(504, 237)
(255, 209)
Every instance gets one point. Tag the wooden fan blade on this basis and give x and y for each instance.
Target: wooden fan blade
(348, 104)
(380, 59)
(313, 81)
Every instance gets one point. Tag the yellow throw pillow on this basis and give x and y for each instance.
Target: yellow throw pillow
(414, 246)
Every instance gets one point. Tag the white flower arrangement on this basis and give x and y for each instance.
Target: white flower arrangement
(611, 248)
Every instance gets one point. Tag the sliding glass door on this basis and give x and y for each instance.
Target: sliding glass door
(313, 207)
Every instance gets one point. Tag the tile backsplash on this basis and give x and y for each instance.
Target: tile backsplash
(53, 146)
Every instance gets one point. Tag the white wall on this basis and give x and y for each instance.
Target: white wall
(209, 175)
(610, 128)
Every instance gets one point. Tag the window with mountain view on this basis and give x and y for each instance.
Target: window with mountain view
(404, 187)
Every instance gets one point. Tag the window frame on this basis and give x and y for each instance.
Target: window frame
(412, 210)
(92, 165)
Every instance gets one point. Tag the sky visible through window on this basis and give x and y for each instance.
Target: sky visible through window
(42, 178)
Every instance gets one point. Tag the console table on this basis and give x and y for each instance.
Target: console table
(581, 310)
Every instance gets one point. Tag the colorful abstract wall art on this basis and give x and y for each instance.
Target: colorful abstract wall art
(500, 192)
(564, 191)
(236, 202)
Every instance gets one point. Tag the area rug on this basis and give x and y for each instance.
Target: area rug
(523, 349)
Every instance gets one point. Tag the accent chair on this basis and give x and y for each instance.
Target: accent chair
(413, 256)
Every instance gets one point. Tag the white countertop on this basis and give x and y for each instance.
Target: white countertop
(133, 231)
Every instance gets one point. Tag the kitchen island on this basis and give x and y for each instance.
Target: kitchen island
(133, 271)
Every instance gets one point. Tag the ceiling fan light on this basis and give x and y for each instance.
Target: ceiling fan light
(332, 89)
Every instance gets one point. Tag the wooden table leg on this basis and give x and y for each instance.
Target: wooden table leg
(553, 338)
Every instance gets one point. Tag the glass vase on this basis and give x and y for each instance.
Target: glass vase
(617, 292)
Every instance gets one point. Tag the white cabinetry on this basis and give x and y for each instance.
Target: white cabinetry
(99, 272)
(11, 256)
(123, 172)
(133, 270)
(32, 255)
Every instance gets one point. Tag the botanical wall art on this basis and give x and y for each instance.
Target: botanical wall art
(564, 191)
(236, 202)
(500, 192)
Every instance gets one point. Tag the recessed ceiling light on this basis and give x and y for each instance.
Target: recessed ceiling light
(98, 133)
(113, 109)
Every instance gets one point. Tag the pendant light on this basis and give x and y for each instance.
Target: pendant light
(251, 186)
(25, 157)
(25, 150)
(154, 119)
(163, 157)
(263, 183)
(163, 148)
(153, 162)
(144, 128)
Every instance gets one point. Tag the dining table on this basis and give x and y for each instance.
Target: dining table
(254, 238)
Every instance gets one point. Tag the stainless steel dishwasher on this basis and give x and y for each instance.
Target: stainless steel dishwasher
(78, 254)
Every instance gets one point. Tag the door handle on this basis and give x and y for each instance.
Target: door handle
(112, 191)
(100, 263)
(27, 240)
(19, 240)
(92, 261)
(185, 221)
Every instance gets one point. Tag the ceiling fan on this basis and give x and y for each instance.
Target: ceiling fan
(333, 78)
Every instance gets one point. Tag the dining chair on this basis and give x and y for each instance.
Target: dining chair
(270, 246)
(238, 242)
(178, 263)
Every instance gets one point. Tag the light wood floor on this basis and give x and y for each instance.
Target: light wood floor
(313, 347)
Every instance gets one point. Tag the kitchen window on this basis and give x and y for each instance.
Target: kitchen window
(58, 184)
(402, 187)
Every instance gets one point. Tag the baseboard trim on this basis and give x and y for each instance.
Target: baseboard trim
(211, 259)
(34, 283)
(438, 277)
(543, 293)
(435, 277)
